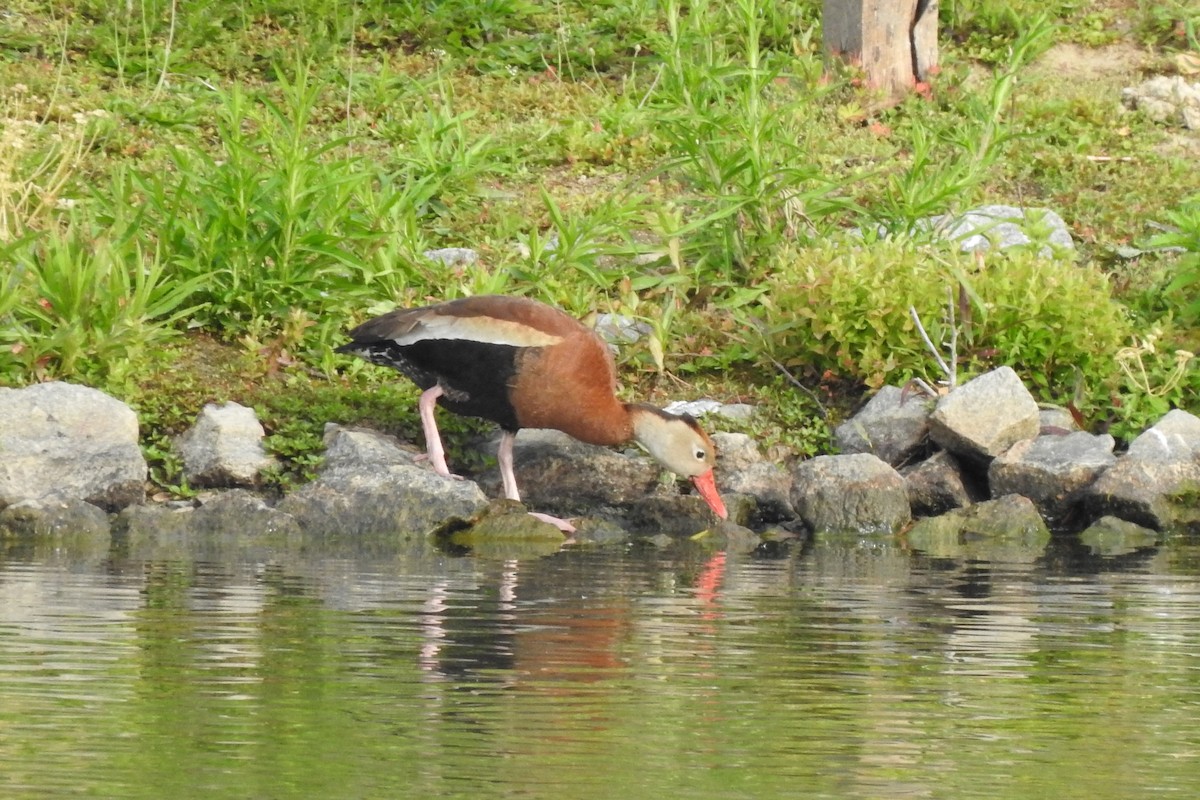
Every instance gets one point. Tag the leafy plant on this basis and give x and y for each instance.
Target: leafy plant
(1185, 234)
(846, 311)
(89, 302)
(736, 144)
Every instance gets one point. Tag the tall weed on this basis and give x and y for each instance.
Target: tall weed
(272, 220)
(85, 302)
(737, 143)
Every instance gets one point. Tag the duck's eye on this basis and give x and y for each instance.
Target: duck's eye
(700, 455)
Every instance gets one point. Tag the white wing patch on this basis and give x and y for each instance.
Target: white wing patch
(474, 329)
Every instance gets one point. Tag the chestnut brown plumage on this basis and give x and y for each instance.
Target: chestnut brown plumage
(524, 364)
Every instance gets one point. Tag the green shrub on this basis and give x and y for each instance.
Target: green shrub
(845, 309)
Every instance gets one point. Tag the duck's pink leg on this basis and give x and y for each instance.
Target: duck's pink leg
(505, 456)
(433, 440)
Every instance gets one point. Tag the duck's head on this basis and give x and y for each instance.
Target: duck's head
(678, 443)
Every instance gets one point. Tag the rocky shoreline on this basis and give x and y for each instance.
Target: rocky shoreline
(982, 462)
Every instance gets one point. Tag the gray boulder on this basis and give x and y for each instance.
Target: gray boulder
(224, 447)
(368, 485)
(855, 493)
(453, 256)
(893, 425)
(1052, 471)
(1003, 227)
(55, 518)
(1166, 98)
(561, 475)
(741, 469)
(937, 485)
(71, 442)
(985, 416)
(738, 412)
(1110, 536)
(1008, 529)
(1156, 482)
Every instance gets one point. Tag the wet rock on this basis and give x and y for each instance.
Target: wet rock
(1008, 529)
(235, 524)
(853, 493)
(1166, 98)
(50, 531)
(563, 476)
(937, 485)
(742, 470)
(893, 425)
(152, 521)
(593, 530)
(54, 517)
(673, 515)
(505, 522)
(726, 535)
(224, 447)
(1157, 481)
(1009, 517)
(242, 514)
(1002, 227)
(72, 442)
(985, 416)
(1110, 536)
(1052, 471)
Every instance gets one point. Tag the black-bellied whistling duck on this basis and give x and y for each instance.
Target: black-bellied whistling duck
(524, 364)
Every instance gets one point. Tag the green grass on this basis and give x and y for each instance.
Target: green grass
(258, 175)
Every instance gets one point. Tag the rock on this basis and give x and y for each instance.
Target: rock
(1004, 227)
(503, 530)
(937, 485)
(139, 523)
(1157, 481)
(1056, 420)
(243, 514)
(854, 493)
(726, 535)
(593, 530)
(396, 500)
(233, 525)
(1052, 471)
(737, 412)
(360, 449)
(453, 256)
(52, 531)
(742, 470)
(561, 475)
(1110, 536)
(985, 416)
(70, 442)
(224, 447)
(673, 515)
(892, 425)
(1008, 529)
(54, 517)
(620, 329)
(1166, 98)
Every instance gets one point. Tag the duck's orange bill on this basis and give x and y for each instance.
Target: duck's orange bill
(706, 484)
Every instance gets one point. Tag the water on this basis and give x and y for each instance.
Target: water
(843, 670)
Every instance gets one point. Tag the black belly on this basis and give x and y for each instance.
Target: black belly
(476, 376)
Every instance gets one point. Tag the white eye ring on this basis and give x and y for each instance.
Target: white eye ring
(700, 454)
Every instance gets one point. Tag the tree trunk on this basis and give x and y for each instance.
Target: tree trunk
(895, 41)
